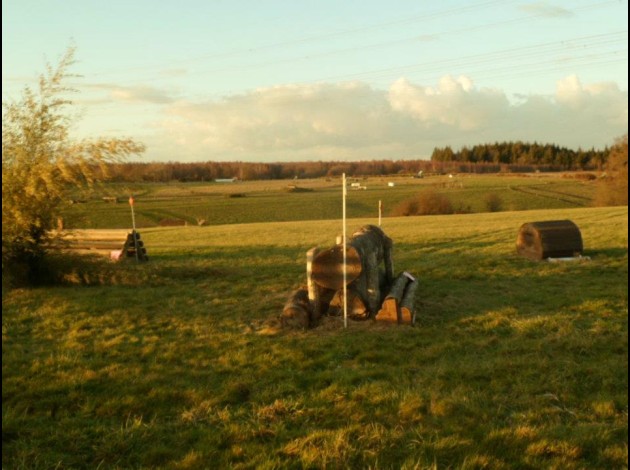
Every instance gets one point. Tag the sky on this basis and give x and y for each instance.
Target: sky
(286, 80)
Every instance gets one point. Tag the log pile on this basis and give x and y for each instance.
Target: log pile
(114, 244)
(372, 291)
(398, 306)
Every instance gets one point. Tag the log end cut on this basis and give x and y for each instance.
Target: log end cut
(327, 267)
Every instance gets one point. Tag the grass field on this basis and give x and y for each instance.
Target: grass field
(270, 201)
(179, 362)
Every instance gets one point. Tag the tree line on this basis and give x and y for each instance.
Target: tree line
(523, 153)
(508, 157)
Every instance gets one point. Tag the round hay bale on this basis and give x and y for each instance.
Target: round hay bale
(549, 239)
(328, 267)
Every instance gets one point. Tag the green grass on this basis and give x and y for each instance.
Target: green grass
(179, 362)
(269, 201)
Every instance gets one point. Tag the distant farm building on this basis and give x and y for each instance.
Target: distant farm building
(226, 180)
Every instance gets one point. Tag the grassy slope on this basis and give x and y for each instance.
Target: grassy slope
(178, 363)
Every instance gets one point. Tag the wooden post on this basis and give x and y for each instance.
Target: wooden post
(380, 211)
(313, 290)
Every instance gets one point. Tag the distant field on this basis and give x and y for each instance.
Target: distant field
(179, 362)
(272, 201)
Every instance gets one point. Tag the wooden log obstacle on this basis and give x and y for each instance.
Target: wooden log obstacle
(369, 278)
(134, 247)
(549, 239)
(398, 306)
(114, 244)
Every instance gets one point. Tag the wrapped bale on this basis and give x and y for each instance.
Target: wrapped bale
(549, 239)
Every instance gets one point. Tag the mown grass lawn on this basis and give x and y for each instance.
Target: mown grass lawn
(179, 362)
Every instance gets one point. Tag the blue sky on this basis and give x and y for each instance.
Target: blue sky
(329, 80)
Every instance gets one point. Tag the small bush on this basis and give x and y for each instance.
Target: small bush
(428, 202)
(582, 175)
(493, 202)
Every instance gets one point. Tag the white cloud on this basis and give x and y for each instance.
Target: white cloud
(454, 102)
(132, 94)
(354, 121)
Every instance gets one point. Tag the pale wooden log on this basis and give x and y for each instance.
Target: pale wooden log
(390, 309)
(313, 290)
(94, 234)
(407, 311)
(388, 312)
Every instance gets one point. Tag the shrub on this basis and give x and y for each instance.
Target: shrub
(493, 202)
(40, 166)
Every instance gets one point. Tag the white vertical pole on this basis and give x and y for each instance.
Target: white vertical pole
(380, 210)
(345, 267)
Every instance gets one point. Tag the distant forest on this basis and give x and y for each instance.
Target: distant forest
(508, 157)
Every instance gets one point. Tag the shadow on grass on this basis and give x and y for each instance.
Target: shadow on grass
(464, 284)
(237, 264)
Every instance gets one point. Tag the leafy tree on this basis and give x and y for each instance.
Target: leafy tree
(613, 190)
(41, 164)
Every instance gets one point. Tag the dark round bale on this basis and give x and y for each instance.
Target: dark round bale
(549, 239)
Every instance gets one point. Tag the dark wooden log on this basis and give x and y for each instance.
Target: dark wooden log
(327, 267)
(297, 311)
(374, 248)
(549, 239)
(407, 311)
